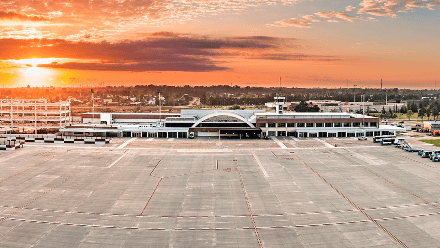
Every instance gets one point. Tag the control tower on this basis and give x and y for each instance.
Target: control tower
(279, 100)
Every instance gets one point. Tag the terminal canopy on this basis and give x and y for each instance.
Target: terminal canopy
(227, 119)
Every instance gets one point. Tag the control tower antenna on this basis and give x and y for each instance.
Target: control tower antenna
(279, 88)
(354, 92)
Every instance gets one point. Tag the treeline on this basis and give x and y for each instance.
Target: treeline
(214, 95)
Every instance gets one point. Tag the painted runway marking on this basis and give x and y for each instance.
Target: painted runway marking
(216, 229)
(151, 196)
(293, 143)
(278, 142)
(117, 160)
(260, 165)
(325, 143)
(248, 205)
(170, 139)
(126, 143)
(352, 203)
(13, 156)
(150, 139)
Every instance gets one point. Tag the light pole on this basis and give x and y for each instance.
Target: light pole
(93, 108)
(160, 108)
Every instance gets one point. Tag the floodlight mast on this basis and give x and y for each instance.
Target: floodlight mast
(160, 108)
(93, 108)
(363, 110)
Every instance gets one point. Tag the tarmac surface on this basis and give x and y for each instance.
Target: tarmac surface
(282, 192)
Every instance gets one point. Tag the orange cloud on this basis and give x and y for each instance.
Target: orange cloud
(20, 16)
(299, 23)
(368, 7)
(163, 51)
(350, 8)
(392, 7)
(310, 18)
(335, 14)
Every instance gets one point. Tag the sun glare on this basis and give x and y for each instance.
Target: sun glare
(30, 74)
(35, 61)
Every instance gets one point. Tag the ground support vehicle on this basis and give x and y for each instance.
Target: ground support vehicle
(378, 139)
(387, 141)
(435, 157)
(426, 154)
(433, 154)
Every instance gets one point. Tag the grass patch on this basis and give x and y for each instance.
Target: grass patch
(435, 142)
(417, 136)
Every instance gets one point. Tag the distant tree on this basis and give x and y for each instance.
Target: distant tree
(204, 98)
(315, 108)
(422, 112)
(414, 107)
(383, 110)
(403, 110)
(303, 106)
(409, 113)
(428, 112)
(235, 107)
(435, 111)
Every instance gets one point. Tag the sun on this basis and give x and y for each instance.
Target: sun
(35, 61)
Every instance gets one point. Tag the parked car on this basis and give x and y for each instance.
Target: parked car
(362, 138)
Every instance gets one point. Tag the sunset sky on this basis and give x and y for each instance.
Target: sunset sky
(308, 43)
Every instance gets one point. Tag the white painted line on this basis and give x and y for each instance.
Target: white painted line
(293, 143)
(295, 139)
(324, 142)
(278, 142)
(170, 139)
(260, 165)
(126, 143)
(150, 139)
(117, 160)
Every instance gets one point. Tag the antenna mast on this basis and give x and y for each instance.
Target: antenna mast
(354, 93)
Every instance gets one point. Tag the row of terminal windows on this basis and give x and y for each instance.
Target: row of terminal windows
(326, 134)
(336, 124)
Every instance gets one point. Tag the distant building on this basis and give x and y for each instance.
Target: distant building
(34, 113)
(431, 126)
(230, 123)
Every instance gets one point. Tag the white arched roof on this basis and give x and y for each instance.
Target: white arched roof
(230, 114)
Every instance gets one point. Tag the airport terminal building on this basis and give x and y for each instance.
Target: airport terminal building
(229, 123)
